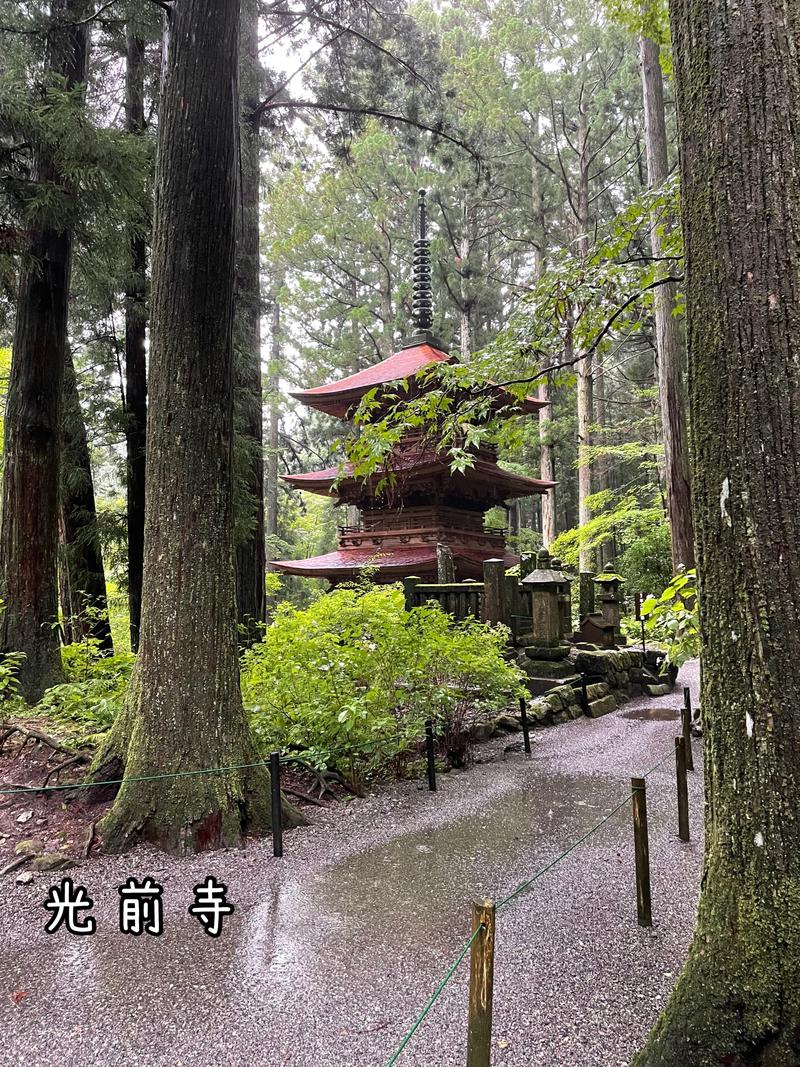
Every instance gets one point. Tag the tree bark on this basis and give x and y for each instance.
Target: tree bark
(82, 557)
(584, 366)
(29, 525)
(737, 1001)
(546, 465)
(250, 548)
(274, 420)
(184, 709)
(135, 357)
(669, 341)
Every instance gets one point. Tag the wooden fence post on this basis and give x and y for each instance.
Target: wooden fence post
(642, 852)
(683, 788)
(686, 717)
(277, 813)
(481, 986)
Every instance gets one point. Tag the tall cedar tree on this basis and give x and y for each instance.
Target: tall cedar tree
(737, 1001)
(184, 710)
(84, 603)
(250, 549)
(135, 349)
(669, 340)
(29, 525)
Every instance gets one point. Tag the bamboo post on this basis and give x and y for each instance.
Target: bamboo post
(686, 716)
(277, 814)
(683, 789)
(430, 755)
(481, 986)
(526, 729)
(642, 852)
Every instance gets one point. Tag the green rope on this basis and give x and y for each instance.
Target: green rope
(123, 781)
(655, 766)
(526, 885)
(437, 993)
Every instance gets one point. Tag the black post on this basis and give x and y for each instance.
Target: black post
(526, 730)
(585, 694)
(430, 755)
(687, 726)
(683, 789)
(277, 820)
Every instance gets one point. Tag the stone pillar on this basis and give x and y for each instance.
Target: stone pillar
(494, 605)
(586, 603)
(445, 565)
(409, 591)
(565, 598)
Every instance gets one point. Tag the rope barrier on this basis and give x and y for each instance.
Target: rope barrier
(133, 778)
(432, 1000)
(527, 884)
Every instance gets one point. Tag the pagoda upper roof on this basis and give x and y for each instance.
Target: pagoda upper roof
(340, 398)
(504, 485)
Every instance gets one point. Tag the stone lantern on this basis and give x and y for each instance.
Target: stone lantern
(544, 586)
(565, 597)
(609, 586)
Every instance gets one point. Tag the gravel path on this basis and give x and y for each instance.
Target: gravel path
(333, 950)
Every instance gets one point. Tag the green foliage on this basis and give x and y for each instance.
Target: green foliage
(349, 682)
(672, 619)
(93, 694)
(646, 564)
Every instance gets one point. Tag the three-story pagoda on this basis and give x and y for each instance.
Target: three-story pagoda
(423, 503)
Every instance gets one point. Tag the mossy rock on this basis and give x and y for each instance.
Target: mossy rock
(31, 846)
(603, 706)
(53, 861)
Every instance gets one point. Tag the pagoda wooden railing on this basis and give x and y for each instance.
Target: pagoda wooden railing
(498, 598)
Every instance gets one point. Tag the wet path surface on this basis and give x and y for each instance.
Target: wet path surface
(332, 951)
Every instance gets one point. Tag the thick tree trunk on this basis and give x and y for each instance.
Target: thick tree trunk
(274, 421)
(82, 557)
(184, 710)
(546, 466)
(737, 1001)
(250, 550)
(584, 366)
(669, 340)
(29, 525)
(135, 359)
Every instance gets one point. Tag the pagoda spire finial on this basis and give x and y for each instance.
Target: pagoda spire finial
(422, 295)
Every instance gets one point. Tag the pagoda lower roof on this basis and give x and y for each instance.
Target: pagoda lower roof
(505, 484)
(342, 397)
(391, 562)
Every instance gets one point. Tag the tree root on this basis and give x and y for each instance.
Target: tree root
(87, 844)
(15, 864)
(303, 796)
(30, 734)
(73, 761)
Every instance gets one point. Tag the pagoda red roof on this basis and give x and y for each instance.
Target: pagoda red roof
(391, 562)
(338, 398)
(511, 485)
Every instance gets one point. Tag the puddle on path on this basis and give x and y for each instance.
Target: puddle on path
(416, 889)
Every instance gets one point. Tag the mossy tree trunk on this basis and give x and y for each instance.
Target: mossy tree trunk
(184, 711)
(250, 547)
(737, 1001)
(29, 525)
(135, 352)
(84, 580)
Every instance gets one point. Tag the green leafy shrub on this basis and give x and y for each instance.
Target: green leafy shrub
(349, 682)
(672, 619)
(94, 692)
(646, 564)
